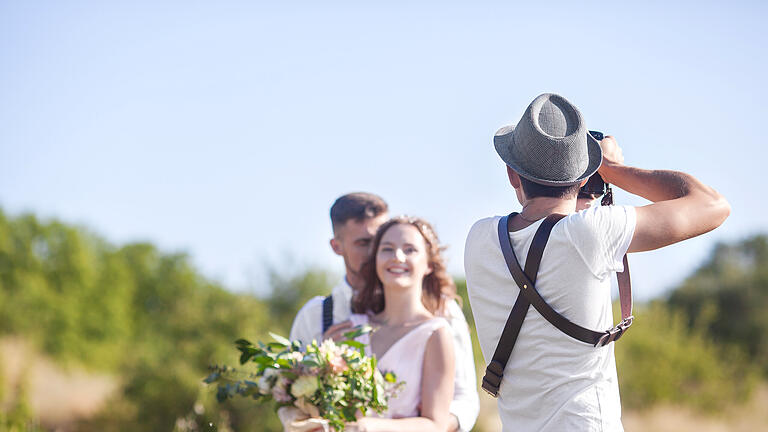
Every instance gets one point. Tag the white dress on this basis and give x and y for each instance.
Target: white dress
(405, 358)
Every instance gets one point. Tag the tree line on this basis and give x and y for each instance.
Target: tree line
(152, 320)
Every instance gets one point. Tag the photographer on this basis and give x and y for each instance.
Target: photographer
(551, 380)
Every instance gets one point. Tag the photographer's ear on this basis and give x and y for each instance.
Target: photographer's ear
(514, 178)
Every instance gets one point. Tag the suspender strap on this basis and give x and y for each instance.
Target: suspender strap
(625, 284)
(327, 312)
(625, 292)
(495, 370)
(562, 323)
(530, 296)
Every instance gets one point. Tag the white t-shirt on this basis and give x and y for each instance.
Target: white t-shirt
(553, 382)
(308, 326)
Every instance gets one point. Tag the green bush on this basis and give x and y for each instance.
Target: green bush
(145, 316)
(662, 360)
(728, 297)
(153, 321)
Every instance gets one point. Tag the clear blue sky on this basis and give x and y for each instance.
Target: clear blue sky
(226, 129)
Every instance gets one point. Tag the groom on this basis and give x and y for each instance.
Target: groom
(355, 217)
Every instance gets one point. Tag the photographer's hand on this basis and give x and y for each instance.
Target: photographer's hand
(612, 156)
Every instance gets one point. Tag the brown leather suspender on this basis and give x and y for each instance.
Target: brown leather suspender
(529, 296)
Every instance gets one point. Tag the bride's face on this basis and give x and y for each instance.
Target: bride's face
(402, 259)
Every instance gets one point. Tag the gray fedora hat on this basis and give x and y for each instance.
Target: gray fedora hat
(550, 145)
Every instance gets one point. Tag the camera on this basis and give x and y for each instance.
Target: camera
(595, 186)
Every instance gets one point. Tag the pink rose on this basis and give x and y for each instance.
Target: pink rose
(279, 391)
(338, 364)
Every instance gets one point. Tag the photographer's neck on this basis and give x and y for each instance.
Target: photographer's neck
(541, 207)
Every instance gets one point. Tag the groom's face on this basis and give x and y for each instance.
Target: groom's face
(353, 240)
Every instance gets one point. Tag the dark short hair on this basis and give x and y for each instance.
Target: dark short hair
(533, 190)
(358, 206)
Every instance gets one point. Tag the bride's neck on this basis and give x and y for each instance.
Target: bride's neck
(403, 305)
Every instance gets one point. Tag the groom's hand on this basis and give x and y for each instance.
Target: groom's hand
(336, 331)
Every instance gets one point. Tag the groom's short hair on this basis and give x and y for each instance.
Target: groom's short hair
(358, 206)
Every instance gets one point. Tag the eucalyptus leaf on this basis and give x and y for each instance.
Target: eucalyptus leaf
(276, 345)
(354, 344)
(263, 360)
(212, 378)
(243, 342)
(222, 394)
(358, 331)
(349, 413)
(280, 339)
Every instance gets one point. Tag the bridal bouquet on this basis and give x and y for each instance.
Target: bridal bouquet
(329, 381)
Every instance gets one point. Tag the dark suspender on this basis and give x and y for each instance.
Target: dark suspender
(530, 296)
(327, 312)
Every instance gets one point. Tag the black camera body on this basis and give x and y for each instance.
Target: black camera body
(595, 186)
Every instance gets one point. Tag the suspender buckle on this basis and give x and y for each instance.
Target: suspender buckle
(492, 378)
(494, 392)
(615, 333)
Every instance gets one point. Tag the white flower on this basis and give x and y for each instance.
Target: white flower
(296, 356)
(305, 385)
(328, 347)
(377, 376)
(266, 381)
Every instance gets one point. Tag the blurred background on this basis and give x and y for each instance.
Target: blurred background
(166, 171)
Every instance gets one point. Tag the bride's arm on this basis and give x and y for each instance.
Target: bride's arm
(436, 391)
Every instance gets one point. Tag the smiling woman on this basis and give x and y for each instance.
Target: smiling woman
(404, 298)
(437, 287)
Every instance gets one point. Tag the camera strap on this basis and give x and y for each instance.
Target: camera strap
(530, 296)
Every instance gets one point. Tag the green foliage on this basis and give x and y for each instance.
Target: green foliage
(290, 291)
(461, 290)
(18, 416)
(145, 316)
(661, 360)
(66, 279)
(728, 296)
(149, 318)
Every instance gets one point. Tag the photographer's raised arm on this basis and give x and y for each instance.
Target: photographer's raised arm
(683, 207)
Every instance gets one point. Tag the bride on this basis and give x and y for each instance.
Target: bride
(404, 296)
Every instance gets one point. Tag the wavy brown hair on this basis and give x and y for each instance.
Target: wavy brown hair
(436, 287)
